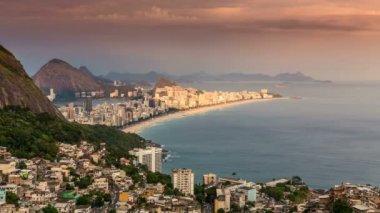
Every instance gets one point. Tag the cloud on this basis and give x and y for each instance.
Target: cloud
(157, 13)
(212, 15)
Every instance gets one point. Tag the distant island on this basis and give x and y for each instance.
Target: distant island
(153, 76)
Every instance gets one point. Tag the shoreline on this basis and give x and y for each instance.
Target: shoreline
(140, 126)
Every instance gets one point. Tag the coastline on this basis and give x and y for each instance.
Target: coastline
(138, 127)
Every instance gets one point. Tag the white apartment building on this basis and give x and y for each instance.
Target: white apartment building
(150, 156)
(183, 180)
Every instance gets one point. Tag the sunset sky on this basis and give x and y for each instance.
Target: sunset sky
(328, 39)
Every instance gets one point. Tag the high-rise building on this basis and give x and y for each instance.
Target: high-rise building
(71, 112)
(209, 178)
(183, 180)
(150, 156)
(87, 104)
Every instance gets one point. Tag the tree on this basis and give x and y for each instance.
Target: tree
(157, 177)
(83, 183)
(296, 180)
(98, 202)
(199, 193)
(210, 194)
(275, 192)
(107, 197)
(36, 135)
(69, 187)
(84, 200)
(341, 206)
(168, 190)
(220, 210)
(50, 209)
(235, 208)
(298, 196)
(11, 198)
(21, 165)
(141, 201)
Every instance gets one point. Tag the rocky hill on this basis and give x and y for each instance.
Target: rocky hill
(163, 82)
(18, 89)
(63, 77)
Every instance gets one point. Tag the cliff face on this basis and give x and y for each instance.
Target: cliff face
(18, 89)
(61, 76)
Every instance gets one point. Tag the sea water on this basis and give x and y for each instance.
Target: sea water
(330, 135)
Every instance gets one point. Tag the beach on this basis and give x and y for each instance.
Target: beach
(138, 127)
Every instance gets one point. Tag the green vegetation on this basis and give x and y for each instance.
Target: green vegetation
(98, 202)
(156, 177)
(83, 183)
(235, 208)
(28, 135)
(21, 165)
(276, 193)
(11, 198)
(199, 193)
(296, 180)
(170, 191)
(84, 200)
(204, 195)
(294, 190)
(164, 179)
(341, 206)
(220, 211)
(299, 195)
(133, 172)
(49, 209)
(94, 198)
(69, 187)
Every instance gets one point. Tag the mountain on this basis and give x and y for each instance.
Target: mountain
(135, 77)
(152, 77)
(99, 79)
(294, 77)
(18, 89)
(244, 77)
(63, 77)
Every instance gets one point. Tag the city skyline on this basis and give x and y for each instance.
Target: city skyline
(333, 40)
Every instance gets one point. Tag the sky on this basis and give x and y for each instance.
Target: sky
(327, 39)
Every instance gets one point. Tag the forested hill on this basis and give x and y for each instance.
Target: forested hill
(27, 135)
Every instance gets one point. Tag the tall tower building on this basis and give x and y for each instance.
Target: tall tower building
(183, 180)
(87, 104)
(150, 156)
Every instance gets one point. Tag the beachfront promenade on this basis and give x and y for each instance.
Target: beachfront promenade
(141, 125)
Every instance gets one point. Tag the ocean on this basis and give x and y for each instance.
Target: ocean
(330, 135)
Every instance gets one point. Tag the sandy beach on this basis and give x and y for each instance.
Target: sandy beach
(138, 127)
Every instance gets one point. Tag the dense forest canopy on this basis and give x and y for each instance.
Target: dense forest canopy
(28, 135)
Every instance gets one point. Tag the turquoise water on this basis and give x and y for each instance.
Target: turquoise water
(330, 135)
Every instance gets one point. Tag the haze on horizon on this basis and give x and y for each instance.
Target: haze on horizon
(327, 39)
